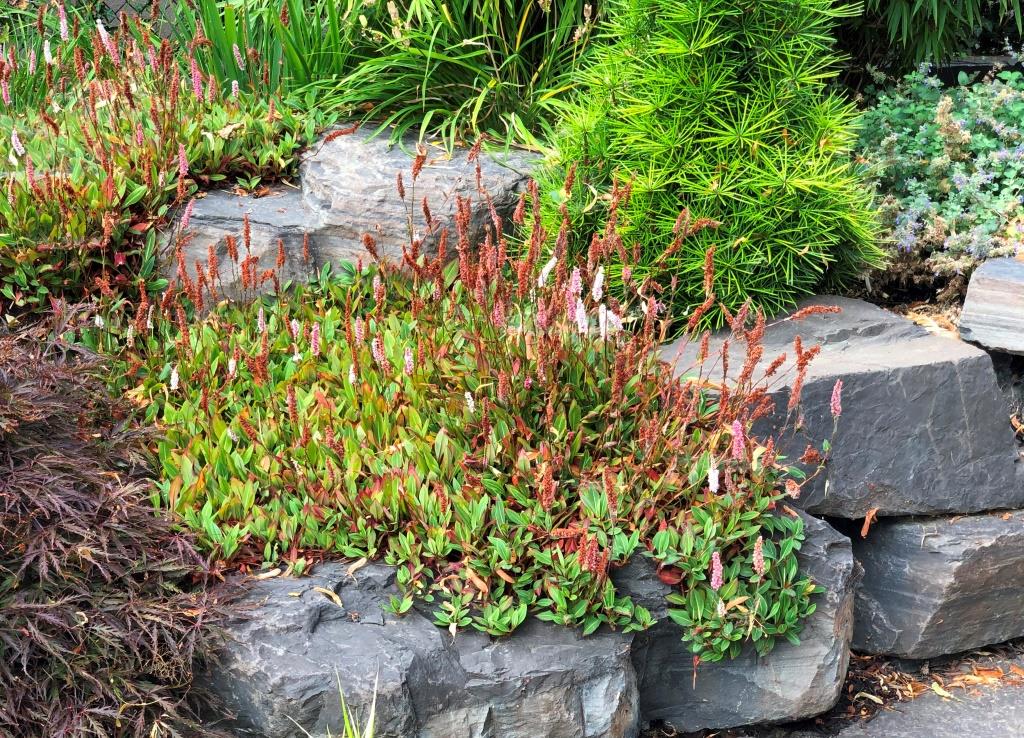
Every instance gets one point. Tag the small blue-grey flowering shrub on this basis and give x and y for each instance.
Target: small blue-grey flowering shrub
(949, 168)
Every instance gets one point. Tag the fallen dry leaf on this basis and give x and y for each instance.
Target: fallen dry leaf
(227, 130)
(873, 698)
(870, 518)
(989, 672)
(329, 594)
(355, 566)
(941, 692)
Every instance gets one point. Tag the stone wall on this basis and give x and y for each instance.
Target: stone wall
(924, 477)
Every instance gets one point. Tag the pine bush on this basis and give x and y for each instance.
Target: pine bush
(720, 110)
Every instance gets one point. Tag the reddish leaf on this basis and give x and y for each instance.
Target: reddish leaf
(670, 575)
(871, 517)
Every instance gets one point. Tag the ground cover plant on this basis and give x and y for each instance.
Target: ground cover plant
(949, 167)
(434, 68)
(112, 135)
(500, 429)
(724, 110)
(99, 621)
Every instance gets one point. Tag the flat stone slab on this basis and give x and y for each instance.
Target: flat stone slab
(348, 188)
(790, 683)
(935, 586)
(282, 662)
(993, 314)
(987, 712)
(924, 428)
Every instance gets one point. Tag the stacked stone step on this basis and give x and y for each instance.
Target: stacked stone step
(925, 449)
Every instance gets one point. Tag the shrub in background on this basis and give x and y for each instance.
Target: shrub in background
(900, 34)
(123, 135)
(949, 166)
(450, 69)
(489, 427)
(270, 46)
(725, 110)
(99, 616)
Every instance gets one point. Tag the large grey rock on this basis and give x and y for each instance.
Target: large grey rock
(993, 314)
(283, 663)
(935, 586)
(790, 683)
(348, 188)
(924, 429)
(350, 183)
(277, 215)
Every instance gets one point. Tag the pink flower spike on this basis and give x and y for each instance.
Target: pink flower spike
(19, 147)
(574, 288)
(377, 349)
(597, 290)
(5, 91)
(759, 556)
(716, 571)
(197, 78)
(582, 324)
(108, 43)
(738, 445)
(314, 339)
(409, 364)
(186, 218)
(836, 405)
(182, 161)
(234, 88)
(63, 16)
(239, 59)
